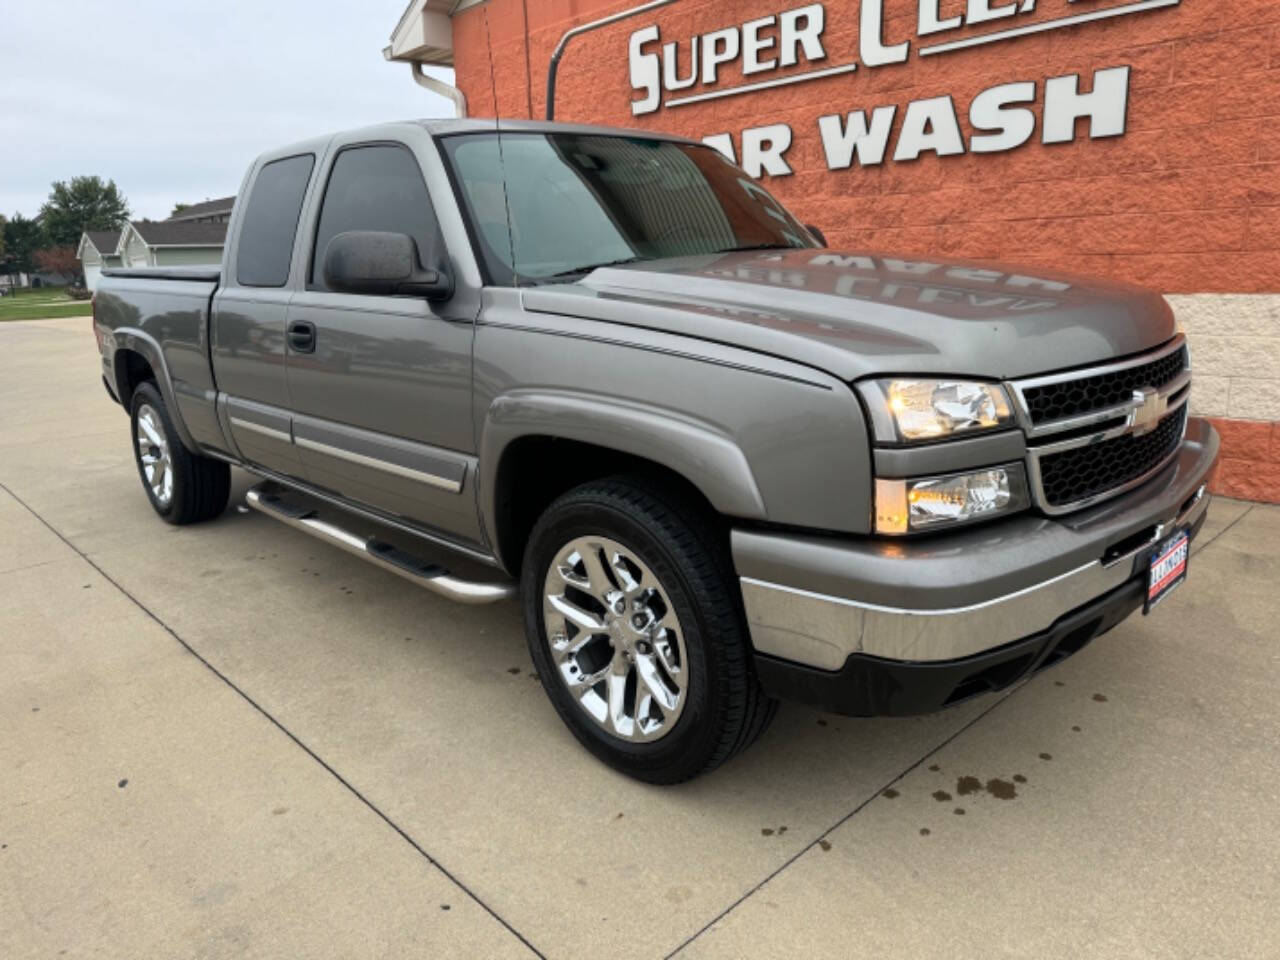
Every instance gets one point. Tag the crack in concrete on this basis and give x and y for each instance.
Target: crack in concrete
(281, 727)
(822, 839)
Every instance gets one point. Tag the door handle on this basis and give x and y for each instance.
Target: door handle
(302, 336)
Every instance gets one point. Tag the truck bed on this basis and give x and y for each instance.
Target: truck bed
(162, 315)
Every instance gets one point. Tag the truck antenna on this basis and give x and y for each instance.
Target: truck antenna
(502, 162)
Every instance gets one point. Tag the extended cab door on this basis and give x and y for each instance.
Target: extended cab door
(250, 311)
(381, 385)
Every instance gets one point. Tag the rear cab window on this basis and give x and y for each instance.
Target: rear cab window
(265, 246)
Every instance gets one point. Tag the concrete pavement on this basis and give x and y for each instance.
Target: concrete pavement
(317, 759)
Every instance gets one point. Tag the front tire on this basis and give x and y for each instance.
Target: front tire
(183, 487)
(636, 630)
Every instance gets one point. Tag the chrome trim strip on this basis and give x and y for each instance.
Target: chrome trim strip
(907, 612)
(1174, 395)
(436, 579)
(1082, 373)
(1023, 415)
(347, 506)
(1057, 446)
(259, 428)
(444, 483)
(821, 630)
(1037, 480)
(1169, 390)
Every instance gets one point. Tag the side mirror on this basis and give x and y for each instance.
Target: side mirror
(377, 263)
(817, 233)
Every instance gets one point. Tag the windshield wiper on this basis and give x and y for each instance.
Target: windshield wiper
(756, 246)
(577, 271)
(592, 266)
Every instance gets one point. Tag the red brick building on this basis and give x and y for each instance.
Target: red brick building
(1137, 139)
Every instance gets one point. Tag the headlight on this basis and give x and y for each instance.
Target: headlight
(905, 506)
(912, 410)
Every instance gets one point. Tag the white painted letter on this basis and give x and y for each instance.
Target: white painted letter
(874, 52)
(1105, 107)
(929, 22)
(841, 143)
(671, 64)
(762, 150)
(809, 36)
(753, 45)
(1015, 126)
(929, 125)
(646, 75)
(980, 11)
(726, 41)
(723, 144)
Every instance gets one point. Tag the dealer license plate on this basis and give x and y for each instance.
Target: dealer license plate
(1168, 569)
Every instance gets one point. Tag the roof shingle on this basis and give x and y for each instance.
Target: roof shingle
(207, 208)
(179, 233)
(104, 240)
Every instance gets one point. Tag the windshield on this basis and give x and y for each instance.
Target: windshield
(578, 201)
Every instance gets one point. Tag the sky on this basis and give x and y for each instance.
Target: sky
(172, 100)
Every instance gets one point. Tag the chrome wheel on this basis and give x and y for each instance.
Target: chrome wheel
(615, 639)
(153, 454)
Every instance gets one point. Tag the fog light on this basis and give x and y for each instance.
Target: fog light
(904, 506)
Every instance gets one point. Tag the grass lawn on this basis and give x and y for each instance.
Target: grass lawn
(40, 303)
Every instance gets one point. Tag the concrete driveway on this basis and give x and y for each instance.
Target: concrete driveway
(230, 740)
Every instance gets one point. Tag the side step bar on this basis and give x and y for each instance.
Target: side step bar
(265, 499)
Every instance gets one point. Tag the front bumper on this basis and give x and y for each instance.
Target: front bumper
(912, 609)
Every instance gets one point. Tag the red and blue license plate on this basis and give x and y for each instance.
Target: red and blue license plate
(1168, 569)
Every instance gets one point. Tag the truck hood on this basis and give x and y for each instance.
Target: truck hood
(857, 314)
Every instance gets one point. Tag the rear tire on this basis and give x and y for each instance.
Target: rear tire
(183, 487)
(674, 568)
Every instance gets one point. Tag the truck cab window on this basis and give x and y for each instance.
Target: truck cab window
(376, 187)
(271, 220)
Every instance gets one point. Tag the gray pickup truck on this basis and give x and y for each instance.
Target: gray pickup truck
(720, 464)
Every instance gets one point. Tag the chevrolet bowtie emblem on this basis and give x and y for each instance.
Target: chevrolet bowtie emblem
(1150, 406)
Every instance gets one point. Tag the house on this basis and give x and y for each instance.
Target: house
(97, 250)
(155, 243)
(171, 243)
(210, 211)
(424, 35)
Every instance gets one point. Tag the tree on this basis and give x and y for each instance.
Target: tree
(178, 208)
(3, 222)
(60, 260)
(22, 238)
(80, 204)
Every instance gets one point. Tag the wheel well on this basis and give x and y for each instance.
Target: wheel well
(536, 470)
(132, 369)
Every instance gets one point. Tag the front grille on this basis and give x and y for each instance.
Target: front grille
(1086, 471)
(1072, 398)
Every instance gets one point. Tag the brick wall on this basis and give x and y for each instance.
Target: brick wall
(1187, 201)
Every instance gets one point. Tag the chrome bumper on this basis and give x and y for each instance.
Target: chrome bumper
(816, 602)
